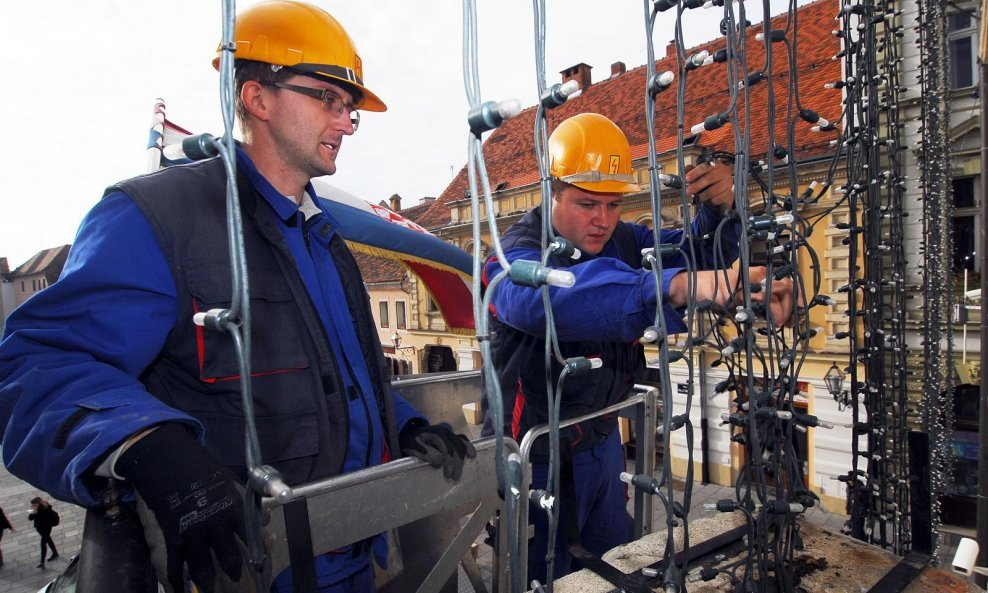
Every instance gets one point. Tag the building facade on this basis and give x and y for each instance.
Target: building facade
(31, 277)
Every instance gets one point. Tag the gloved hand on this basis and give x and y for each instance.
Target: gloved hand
(190, 506)
(438, 445)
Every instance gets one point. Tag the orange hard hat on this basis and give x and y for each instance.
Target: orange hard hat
(591, 152)
(304, 38)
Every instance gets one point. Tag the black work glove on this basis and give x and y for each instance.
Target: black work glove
(190, 505)
(438, 445)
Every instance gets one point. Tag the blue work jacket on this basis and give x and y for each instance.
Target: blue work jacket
(602, 315)
(75, 358)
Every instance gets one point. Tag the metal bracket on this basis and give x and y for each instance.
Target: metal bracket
(645, 397)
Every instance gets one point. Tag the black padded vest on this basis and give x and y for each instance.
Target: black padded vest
(300, 410)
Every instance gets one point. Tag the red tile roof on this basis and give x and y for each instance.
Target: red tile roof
(509, 150)
(47, 261)
(376, 269)
(414, 213)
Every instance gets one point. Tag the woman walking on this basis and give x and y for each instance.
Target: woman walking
(4, 524)
(44, 518)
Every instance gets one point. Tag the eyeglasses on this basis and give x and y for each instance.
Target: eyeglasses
(330, 100)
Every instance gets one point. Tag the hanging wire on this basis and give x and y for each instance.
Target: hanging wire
(508, 469)
(938, 370)
(762, 360)
(235, 321)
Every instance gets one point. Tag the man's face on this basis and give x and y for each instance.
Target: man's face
(586, 218)
(307, 134)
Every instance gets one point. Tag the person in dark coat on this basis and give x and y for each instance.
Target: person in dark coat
(4, 524)
(44, 518)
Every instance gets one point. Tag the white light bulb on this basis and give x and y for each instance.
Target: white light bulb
(561, 278)
(509, 108)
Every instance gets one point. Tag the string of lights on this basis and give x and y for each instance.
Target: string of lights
(672, 575)
(938, 373)
(872, 144)
(896, 502)
(484, 116)
(761, 358)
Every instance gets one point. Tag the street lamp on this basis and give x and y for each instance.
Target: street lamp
(396, 342)
(835, 385)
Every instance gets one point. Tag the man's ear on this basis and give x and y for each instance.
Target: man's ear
(254, 100)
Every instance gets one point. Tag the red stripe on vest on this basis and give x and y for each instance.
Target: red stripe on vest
(200, 346)
(201, 356)
(516, 412)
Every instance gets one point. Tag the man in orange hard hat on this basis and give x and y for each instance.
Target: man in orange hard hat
(136, 396)
(602, 315)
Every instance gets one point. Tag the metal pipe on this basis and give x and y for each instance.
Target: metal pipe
(702, 392)
(982, 514)
(638, 396)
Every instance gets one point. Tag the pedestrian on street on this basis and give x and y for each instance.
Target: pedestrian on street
(44, 518)
(4, 524)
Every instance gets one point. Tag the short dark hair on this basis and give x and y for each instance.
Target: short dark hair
(246, 70)
(557, 188)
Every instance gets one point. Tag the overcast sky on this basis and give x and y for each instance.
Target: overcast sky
(80, 80)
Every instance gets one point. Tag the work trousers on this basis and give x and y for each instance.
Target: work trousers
(361, 581)
(601, 509)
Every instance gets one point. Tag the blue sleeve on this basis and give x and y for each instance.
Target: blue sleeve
(404, 411)
(610, 301)
(70, 355)
(707, 251)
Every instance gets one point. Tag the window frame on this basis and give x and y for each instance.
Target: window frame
(973, 212)
(383, 314)
(401, 315)
(954, 36)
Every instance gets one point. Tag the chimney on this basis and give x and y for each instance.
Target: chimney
(580, 73)
(428, 199)
(671, 49)
(4, 267)
(395, 201)
(618, 68)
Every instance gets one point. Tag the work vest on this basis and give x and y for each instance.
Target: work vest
(518, 357)
(299, 405)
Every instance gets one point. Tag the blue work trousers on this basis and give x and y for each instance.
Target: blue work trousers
(602, 514)
(361, 581)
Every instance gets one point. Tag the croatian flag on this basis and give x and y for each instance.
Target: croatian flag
(376, 230)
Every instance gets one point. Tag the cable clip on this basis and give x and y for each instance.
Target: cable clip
(557, 94)
(216, 319)
(491, 114)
